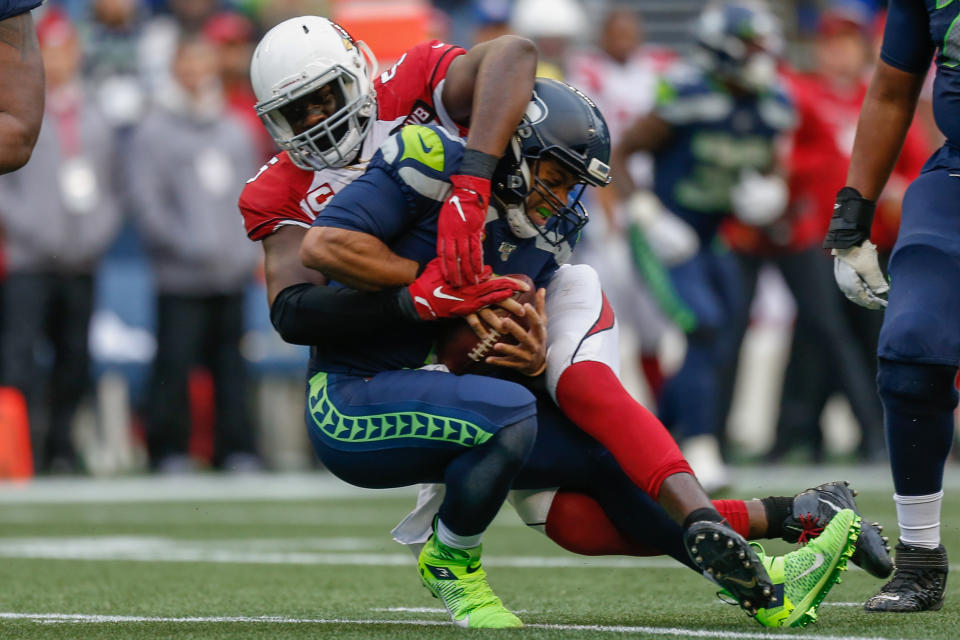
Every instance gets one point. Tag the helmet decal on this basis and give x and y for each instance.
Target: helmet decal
(563, 126)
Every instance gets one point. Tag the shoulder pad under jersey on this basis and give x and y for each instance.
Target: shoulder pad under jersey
(422, 157)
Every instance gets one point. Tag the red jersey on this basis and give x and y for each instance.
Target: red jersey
(818, 162)
(407, 93)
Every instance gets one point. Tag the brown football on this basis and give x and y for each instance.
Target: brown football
(459, 348)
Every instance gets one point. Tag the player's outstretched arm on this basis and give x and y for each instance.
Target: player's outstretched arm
(21, 91)
(487, 89)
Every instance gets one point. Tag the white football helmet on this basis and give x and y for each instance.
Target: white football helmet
(300, 57)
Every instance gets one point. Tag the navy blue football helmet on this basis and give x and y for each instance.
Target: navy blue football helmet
(563, 124)
(739, 41)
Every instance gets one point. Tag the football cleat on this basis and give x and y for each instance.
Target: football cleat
(457, 579)
(813, 510)
(802, 578)
(918, 584)
(726, 558)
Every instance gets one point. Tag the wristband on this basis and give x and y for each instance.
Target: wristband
(851, 221)
(477, 163)
(404, 304)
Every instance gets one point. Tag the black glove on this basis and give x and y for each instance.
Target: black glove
(851, 221)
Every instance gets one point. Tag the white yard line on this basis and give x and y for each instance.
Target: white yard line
(80, 618)
(758, 480)
(159, 549)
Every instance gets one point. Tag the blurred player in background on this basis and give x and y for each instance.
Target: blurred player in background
(21, 84)
(919, 346)
(712, 133)
(620, 75)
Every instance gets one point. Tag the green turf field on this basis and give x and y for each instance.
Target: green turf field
(306, 557)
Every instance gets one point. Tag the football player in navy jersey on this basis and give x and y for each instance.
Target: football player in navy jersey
(711, 134)
(21, 84)
(919, 347)
(377, 418)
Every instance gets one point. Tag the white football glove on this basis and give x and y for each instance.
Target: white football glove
(671, 239)
(758, 200)
(857, 272)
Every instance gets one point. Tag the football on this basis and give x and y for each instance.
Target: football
(461, 351)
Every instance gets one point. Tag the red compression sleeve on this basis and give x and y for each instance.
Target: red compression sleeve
(591, 395)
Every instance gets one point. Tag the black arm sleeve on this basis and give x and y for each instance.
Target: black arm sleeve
(311, 314)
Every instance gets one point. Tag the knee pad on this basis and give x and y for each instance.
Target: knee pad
(581, 324)
(917, 389)
(533, 506)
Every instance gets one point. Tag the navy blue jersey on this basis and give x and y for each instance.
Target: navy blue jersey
(11, 8)
(397, 200)
(716, 136)
(915, 31)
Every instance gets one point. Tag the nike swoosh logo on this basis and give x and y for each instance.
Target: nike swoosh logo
(817, 563)
(832, 504)
(424, 146)
(749, 584)
(473, 569)
(883, 596)
(438, 293)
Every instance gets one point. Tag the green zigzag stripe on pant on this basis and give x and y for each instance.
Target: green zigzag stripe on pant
(386, 426)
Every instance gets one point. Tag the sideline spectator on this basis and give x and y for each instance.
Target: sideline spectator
(232, 35)
(59, 215)
(191, 160)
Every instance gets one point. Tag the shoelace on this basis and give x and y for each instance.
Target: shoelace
(476, 586)
(810, 530)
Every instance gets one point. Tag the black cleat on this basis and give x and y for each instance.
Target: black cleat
(725, 557)
(815, 507)
(918, 584)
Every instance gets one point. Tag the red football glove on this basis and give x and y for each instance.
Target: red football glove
(433, 298)
(460, 230)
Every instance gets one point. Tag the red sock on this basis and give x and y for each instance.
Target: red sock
(591, 395)
(735, 512)
(579, 524)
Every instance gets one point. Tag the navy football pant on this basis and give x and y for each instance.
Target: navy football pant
(920, 339)
(412, 426)
(406, 427)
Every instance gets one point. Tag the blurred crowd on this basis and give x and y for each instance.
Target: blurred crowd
(150, 134)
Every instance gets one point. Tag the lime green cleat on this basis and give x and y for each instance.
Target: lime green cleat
(456, 577)
(802, 578)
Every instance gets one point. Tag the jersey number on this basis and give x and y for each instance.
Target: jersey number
(387, 75)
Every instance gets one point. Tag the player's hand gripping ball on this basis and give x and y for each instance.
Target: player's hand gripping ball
(463, 351)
